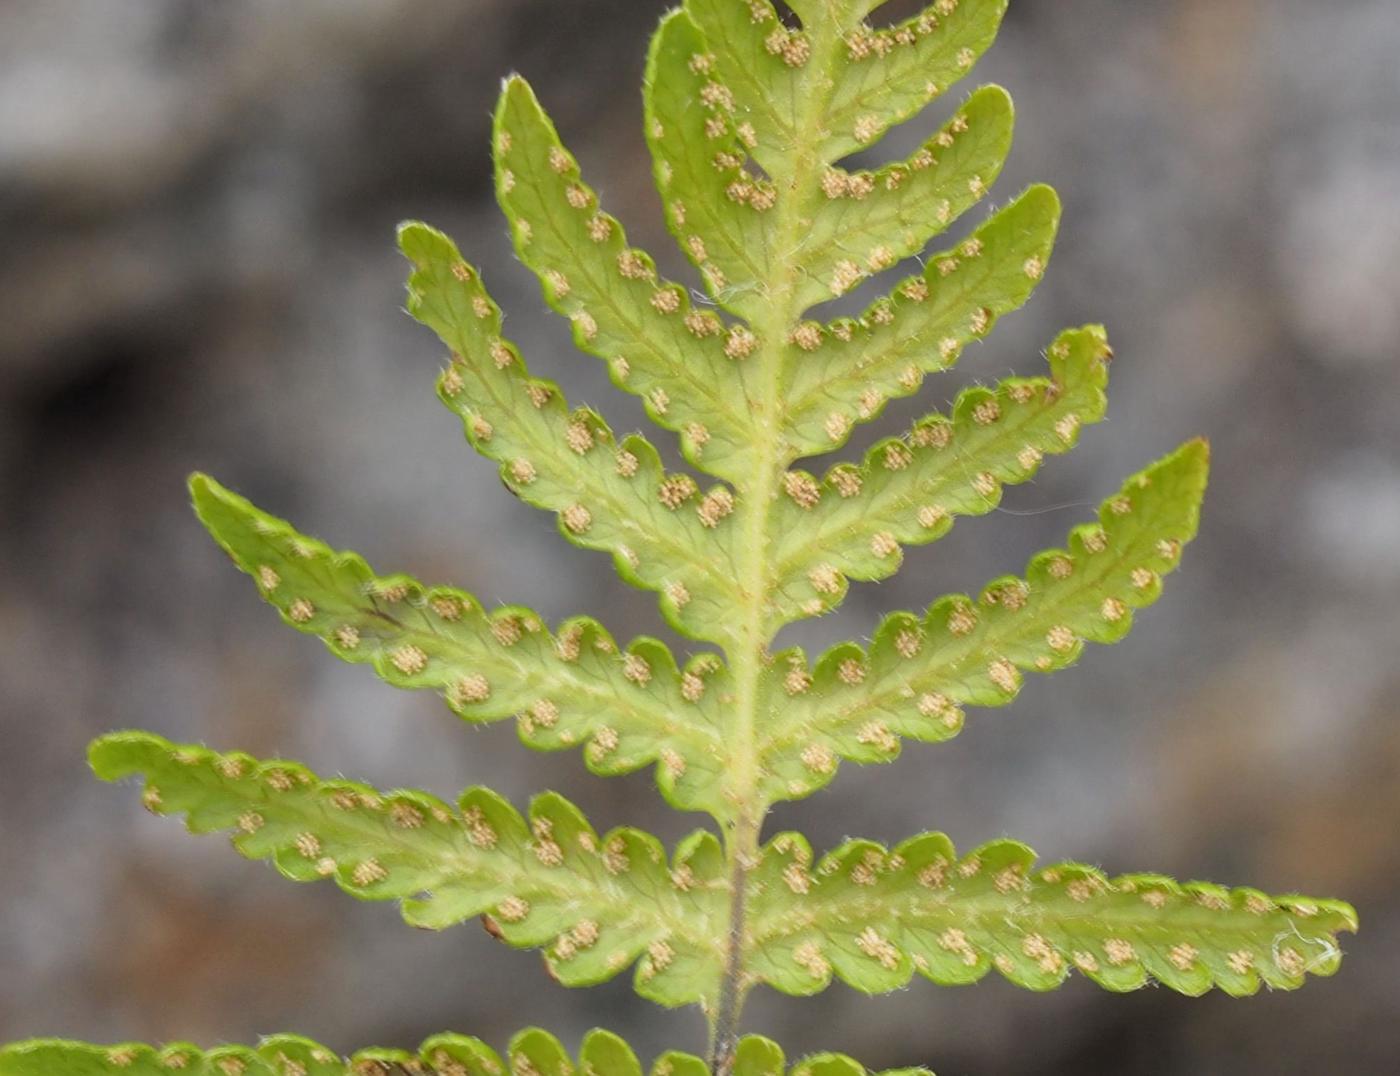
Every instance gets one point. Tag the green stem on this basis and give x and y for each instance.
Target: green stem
(772, 456)
(724, 1027)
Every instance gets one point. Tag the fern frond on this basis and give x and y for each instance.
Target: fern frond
(892, 74)
(719, 212)
(595, 904)
(853, 523)
(844, 373)
(573, 688)
(750, 119)
(532, 1051)
(872, 917)
(663, 531)
(658, 347)
(919, 672)
(882, 217)
(880, 78)
(736, 87)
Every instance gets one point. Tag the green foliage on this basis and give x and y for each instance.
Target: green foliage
(920, 671)
(874, 916)
(749, 121)
(909, 490)
(660, 348)
(572, 688)
(595, 903)
(662, 531)
(532, 1051)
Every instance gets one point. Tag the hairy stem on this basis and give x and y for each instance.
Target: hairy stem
(724, 1027)
(771, 459)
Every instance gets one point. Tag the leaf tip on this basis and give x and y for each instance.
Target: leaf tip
(111, 757)
(421, 243)
(1193, 457)
(205, 492)
(993, 97)
(1043, 197)
(515, 91)
(219, 509)
(670, 15)
(1186, 472)
(408, 232)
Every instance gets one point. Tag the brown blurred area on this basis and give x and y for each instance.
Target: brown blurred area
(197, 204)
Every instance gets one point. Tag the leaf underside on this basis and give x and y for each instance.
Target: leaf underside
(920, 671)
(754, 376)
(574, 687)
(532, 1051)
(874, 917)
(909, 490)
(594, 903)
(709, 115)
(628, 708)
(664, 532)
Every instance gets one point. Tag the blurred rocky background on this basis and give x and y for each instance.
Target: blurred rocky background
(197, 204)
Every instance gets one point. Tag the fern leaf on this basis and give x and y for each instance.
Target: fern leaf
(658, 347)
(844, 373)
(719, 212)
(880, 78)
(594, 903)
(893, 73)
(531, 1051)
(751, 85)
(572, 688)
(750, 118)
(919, 672)
(663, 533)
(759, 83)
(853, 522)
(875, 219)
(872, 917)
